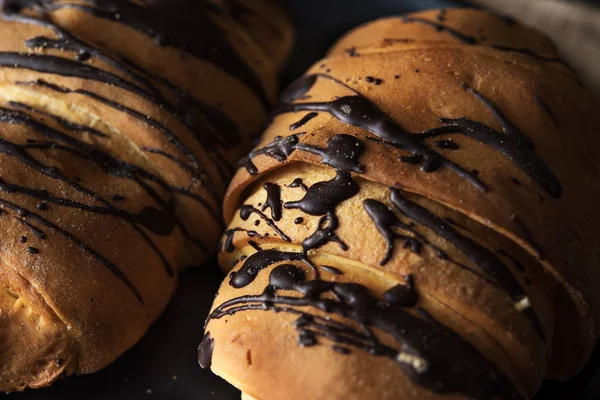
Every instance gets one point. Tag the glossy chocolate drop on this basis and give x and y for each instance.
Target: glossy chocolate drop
(323, 197)
(205, 351)
(273, 201)
(257, 262)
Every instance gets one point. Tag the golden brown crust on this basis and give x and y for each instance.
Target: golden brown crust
(119, 130)
(458, 134)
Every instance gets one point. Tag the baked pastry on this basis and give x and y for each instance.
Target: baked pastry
(121, 122)
(417, 222)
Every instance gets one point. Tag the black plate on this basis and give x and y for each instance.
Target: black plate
(163, 365)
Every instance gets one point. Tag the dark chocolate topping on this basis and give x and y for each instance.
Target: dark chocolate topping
(359, 111)
(192, 30)
(298, 183)
(303, 121)
(273, 200)
(321, 199)
(205, 351)
(431, 354)
(163, 21)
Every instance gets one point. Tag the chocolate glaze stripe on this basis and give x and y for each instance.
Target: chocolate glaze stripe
(34, 229)
(479, 255)
(209, 116)
(55, 65)
(279, 149)
(205, 351)
(103, 160)
(119, 107)
(156, 220)
(546, 108)
(13, 150)
(442, 28)
(139, 116)
(180, 29)
(247, 210)
(61, 121)
(385, 220)
(303, 121)
(179, 223)
(507, 127)
(432, 355)
(359, 111)
(273, 200)
(228, 245)
(67, 42)
(26, 214)
(192, 171)
(322, 198)
(226, 135)
(181, 191)
(531, 54)
(484, 258)
(297, 90)
(342, 152)
(472, 40)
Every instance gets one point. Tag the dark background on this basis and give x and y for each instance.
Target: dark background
(163, 365)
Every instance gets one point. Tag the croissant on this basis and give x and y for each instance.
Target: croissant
(417, 221)
(121, 122)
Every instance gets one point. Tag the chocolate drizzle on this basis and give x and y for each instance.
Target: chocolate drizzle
(279, 149)
(257, 262)
(321, 199)
(484, 258)
(202, 120)
(205, 351)
(529, 53)
(431, 354)
(212, 129)
(29, 215)
(385, 220)
(359, 111)
(442, 28)
(342, 152)
(303, 121)
(546, 108)
(518, 183)
(472, 40)
(346, 316)
(297, 183)
(247, 210)
(183, 30)
(273, 200)
(228, 243)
